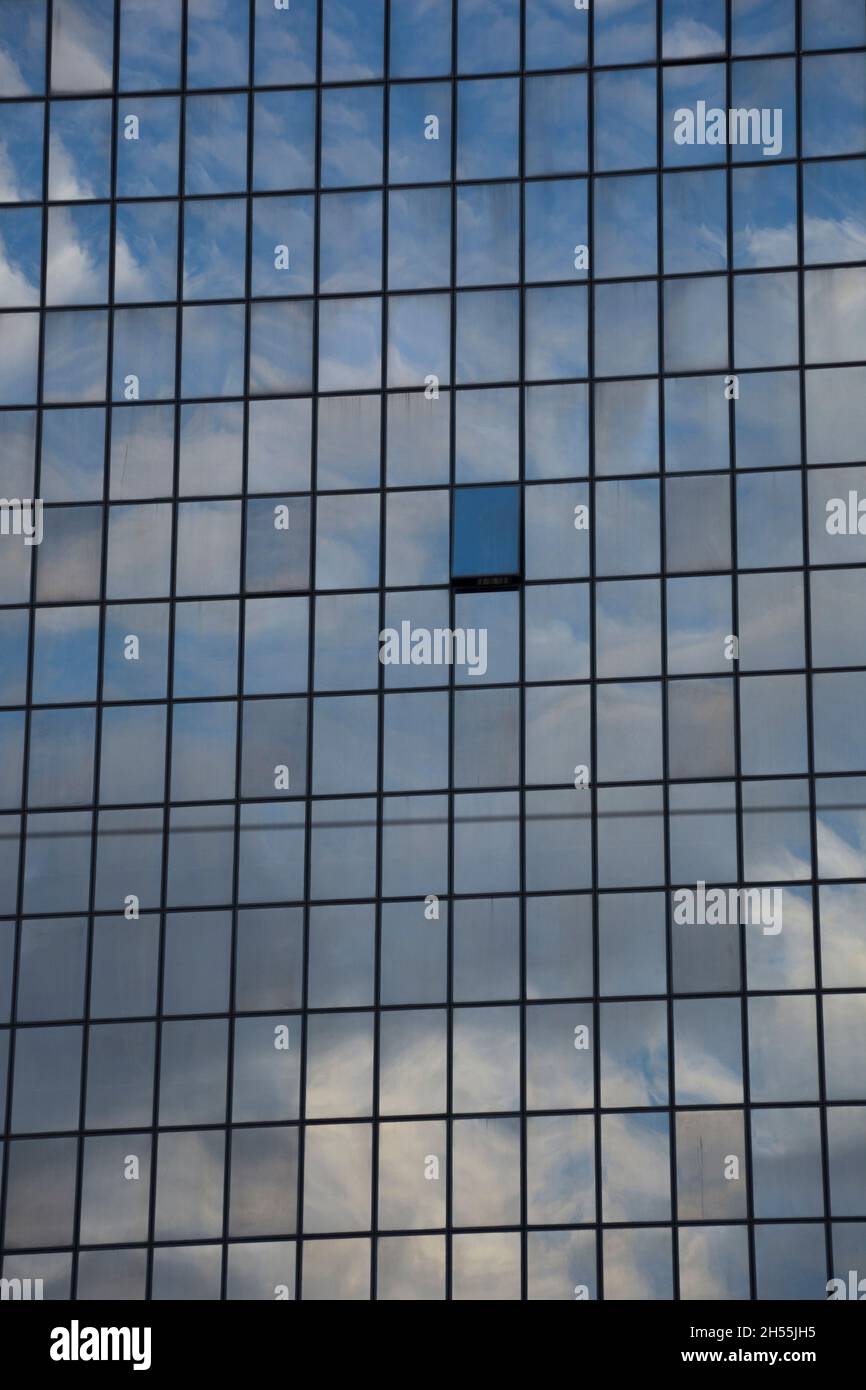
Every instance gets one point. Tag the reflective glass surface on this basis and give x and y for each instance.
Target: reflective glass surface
(432, 648)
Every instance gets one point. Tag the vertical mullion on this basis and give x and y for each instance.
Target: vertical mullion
(742, 941)
(311, 667)
(521, 670)
(95, 822)
(452, 444)
(178, 349)
(24, 816)
(231, 1022)
(809, 675)
(663, 644)
(380, 695)
(593, 666)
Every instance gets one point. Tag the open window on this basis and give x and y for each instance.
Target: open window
(486, 548)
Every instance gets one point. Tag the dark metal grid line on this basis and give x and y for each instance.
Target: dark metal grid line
(578, 889)
(367, 490)
(491, 385)
(737, 735)
(369, 794)
(592, 790)
(31, 642)
(473, 386)
(100, 655)
(380, 693)
(451, 405)
(443, 588)
(809, 691)
(795, 885)
(366, 1233)
(471, 1005)
(240, 706)
(467, 287)
(721, 55)
(521, 673)
(170, 655)
(414, 1117)
(663, 653)
(563, 682)
(213, 1241)
(311, 667)
(409, 184)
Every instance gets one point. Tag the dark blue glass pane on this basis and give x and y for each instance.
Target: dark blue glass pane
(486, 534)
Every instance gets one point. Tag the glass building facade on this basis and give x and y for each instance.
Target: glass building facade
(432, 567)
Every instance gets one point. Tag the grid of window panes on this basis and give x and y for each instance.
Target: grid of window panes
(321, 978)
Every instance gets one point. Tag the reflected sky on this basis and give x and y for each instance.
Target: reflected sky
(250, 345)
